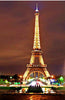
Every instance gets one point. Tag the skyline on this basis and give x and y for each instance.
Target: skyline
(17, 28)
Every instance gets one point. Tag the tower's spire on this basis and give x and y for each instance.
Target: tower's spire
(36, 7)
(36, 44)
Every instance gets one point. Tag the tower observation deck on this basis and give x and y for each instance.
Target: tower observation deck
(36, 64)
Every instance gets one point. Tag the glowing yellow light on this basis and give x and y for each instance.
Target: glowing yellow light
(52, 76)
(25, 74)
(36, 35)
(32, 59)
(47, 73)
(41, 60)
(36, 55)
(20, 76)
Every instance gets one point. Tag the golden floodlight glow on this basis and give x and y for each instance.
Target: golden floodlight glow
(36, 64)
(47, 73)
(36, 44)
(32, 59)
(20, 76)
(25, 74)
(41, 60)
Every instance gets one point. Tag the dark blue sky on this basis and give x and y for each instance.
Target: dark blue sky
(16, 35)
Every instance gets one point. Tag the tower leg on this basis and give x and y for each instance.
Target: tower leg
(34, 74)
(38, 74)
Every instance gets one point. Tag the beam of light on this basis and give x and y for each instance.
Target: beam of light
(36, 7)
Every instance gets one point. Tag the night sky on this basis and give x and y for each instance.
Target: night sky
(16, 35)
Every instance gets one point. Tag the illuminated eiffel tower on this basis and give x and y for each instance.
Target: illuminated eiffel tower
(36, 67)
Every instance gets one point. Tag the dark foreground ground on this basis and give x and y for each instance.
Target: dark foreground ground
(32, 96)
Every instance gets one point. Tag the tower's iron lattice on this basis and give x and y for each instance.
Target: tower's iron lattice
(36, 64)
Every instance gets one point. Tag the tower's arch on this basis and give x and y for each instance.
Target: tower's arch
(35, 74)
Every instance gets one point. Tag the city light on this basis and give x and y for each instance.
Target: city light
(20, 76)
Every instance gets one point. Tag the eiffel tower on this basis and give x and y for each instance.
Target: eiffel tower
(36, 67)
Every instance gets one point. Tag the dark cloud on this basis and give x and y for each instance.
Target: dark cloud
(16, 35)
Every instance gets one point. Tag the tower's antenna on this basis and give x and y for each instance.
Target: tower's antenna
(36, 7)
